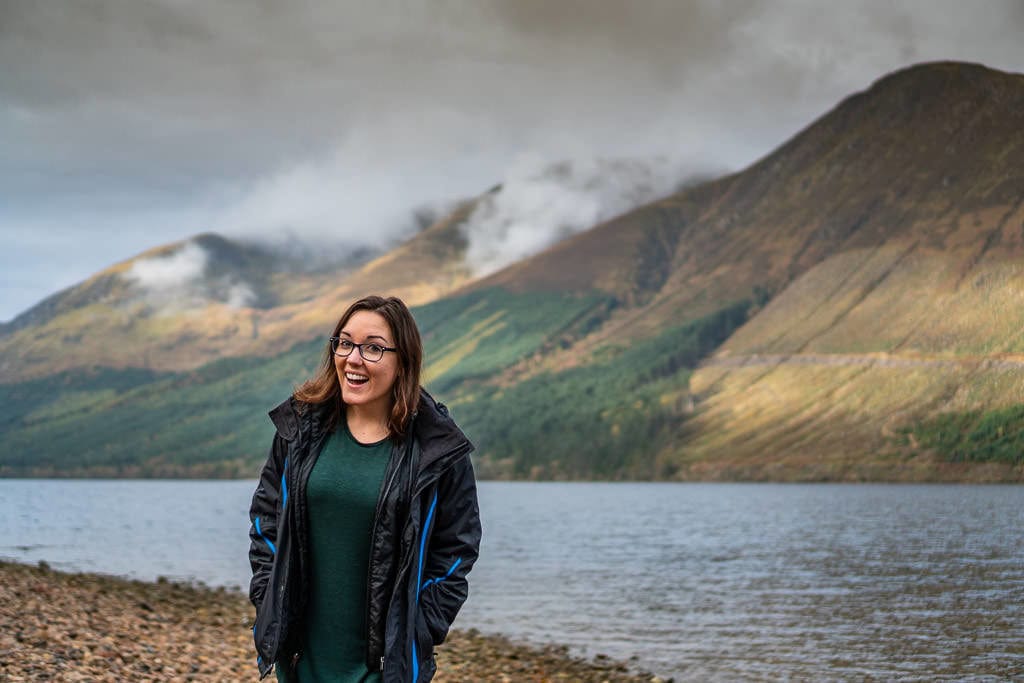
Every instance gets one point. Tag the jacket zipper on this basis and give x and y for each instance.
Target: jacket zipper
(373, 533)
(438, 470)
(301, 476)
(451, 457)
(281, 523)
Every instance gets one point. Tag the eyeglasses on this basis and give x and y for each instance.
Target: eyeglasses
(370, 351)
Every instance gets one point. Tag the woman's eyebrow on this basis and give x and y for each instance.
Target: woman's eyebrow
(369, 336)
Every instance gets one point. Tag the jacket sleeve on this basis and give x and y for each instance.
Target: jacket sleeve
(454, 544)
(267, 503)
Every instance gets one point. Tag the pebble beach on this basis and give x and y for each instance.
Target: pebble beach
(57, 626)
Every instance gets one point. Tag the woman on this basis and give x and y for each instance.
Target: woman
(365, 520)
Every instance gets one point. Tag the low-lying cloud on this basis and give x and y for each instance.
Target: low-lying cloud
(180, 280)
(164, 273)
(542, 202)
(240, 295)
(369, 190)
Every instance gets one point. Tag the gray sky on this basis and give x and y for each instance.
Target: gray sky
(125, 124)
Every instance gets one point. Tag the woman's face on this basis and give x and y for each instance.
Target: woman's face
(363, 383)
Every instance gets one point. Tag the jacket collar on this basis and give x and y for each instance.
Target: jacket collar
(436, 433)
(292, 417)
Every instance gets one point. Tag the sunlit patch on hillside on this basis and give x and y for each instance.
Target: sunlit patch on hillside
(459, 349)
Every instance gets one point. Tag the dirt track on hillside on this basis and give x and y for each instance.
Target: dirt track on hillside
(879, 360)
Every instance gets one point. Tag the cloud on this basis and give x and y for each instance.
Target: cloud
(540, 203)
(179, 280)
(368, 190)
(313, 120)
(173, 98)
(169, 272)
(240, 295)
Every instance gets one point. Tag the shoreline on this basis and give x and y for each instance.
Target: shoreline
(948, 474)
(64, 626)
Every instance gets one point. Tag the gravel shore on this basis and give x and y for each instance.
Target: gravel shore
(56, 626)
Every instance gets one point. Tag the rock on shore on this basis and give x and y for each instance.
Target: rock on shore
(56, 626)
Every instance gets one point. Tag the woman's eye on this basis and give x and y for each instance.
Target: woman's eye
(345, 344)
(373, 348)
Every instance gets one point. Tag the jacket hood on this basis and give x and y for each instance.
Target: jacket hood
(286, 418)
(436, 432)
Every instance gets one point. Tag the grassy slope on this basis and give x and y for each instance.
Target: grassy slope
(209, 422)
(599, 419)
(851, 381)
(204, 423)
(913, 324)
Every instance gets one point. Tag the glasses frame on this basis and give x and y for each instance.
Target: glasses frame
(335, 341)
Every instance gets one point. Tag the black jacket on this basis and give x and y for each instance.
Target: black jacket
(424, 540)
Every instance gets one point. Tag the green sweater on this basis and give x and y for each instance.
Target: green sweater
(341, 498)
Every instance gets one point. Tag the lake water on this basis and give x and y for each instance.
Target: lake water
(702, 582)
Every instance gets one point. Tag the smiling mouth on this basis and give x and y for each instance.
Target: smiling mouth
(356, 380)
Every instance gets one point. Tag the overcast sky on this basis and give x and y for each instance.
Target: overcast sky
(125, 124)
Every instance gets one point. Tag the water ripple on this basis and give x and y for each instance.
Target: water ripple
(703, 582)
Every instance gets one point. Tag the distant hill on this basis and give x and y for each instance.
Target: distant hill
(844, 309)
(181, 305)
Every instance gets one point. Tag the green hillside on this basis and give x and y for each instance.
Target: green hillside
(848, 308)
(211, 422)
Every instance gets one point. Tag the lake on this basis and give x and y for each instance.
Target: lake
(703, 582)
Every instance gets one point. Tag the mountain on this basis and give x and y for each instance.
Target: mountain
(897, 352)
(181, 305)
(172, 307)
(841, 310)
(185, 304)
(884, 239)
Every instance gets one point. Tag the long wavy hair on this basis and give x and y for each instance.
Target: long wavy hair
(324, 388)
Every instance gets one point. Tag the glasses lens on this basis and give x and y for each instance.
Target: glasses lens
(372, 352)
(341, 347)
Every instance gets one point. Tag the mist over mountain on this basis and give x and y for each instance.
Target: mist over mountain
(177, 306)
(538, 205)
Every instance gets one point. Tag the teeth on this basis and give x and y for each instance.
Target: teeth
(355, 377)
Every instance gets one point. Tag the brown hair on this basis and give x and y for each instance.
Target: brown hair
(323, 387)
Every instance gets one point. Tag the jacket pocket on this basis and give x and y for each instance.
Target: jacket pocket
(423, 665)
(263, 537)
(266, 631)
